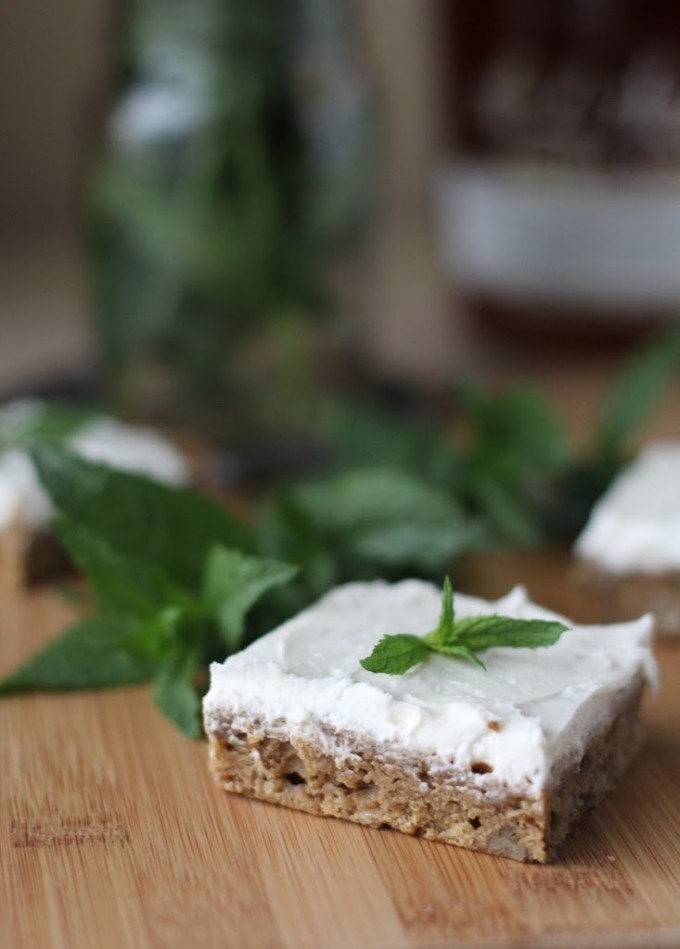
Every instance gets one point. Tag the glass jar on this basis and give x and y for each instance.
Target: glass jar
(233, 177)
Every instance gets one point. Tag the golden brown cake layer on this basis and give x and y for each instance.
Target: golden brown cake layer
(333, 774)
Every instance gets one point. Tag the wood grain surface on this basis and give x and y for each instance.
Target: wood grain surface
(112, 834)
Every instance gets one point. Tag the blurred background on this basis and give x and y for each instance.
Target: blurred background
(211, 213)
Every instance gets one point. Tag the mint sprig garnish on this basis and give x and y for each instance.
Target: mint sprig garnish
(172, 589)
(459, 638)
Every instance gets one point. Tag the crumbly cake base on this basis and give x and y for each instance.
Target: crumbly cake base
(620, 597)
(338, 775)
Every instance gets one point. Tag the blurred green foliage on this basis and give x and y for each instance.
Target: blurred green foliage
(213, 220)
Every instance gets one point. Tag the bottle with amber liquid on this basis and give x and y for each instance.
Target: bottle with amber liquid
(560, 205)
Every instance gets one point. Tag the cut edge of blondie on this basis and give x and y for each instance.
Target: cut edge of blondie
(327, 773)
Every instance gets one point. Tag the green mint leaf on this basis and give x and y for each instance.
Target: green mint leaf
(363, 498)
(174, 528)
(382, 517)
(445, 630)
(174, 691)
(284, 532)
(123, 584)
(505, 506)
(89, 655)
(233, 583)
(533, 429)
(458, 651)
(484, 632)
(359, 433)
(448, 613)
(637, 389)
(517, 448)
(425, 546)
(395, 655)
(519, 422)
(151, 639)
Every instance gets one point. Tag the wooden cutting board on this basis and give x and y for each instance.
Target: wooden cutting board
(113, 834)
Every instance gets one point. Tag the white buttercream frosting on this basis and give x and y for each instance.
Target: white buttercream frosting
(125, 447)
(529, 709)
(635, 526)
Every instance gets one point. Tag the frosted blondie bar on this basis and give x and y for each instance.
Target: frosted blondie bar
(502, 761)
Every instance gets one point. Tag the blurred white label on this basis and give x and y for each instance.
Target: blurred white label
(539, 235)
